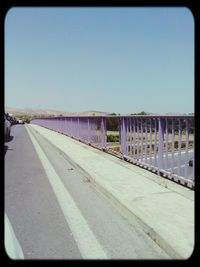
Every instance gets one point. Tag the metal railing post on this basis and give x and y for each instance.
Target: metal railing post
(155, 143)
(146, 140)
(122, 135)
(141, 121)
(186, 146)
(134, 140)
(88, 130)
(138, 139)
(126, 136)
(160, 145)
(78, 130)
(150, 141)
(166, 146)
(179, 145)
(131, 137)
(103, 131)
(172, 162)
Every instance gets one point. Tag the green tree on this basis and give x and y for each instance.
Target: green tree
(112, 123)
(26, 118)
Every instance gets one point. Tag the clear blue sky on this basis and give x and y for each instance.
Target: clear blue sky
(121, 60)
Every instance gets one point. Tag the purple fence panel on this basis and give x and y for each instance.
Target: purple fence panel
(93, 130)
(60, 124)
(161, 143)
(85, 129)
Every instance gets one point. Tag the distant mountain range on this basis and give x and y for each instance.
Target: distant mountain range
(51, 112)
(47, 112)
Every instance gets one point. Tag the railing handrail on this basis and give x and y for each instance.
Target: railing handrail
(118, 116)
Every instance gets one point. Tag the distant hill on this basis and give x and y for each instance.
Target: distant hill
(29, 111)
(48, 112)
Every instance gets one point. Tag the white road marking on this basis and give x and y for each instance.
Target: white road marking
(170, 155)
(89, 247)
(174, 168)
(12, 245)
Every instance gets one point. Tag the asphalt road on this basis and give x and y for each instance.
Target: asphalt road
(56, 213)
(185, 171)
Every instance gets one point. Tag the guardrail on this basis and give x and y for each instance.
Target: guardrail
(162, 144)
(91, 130)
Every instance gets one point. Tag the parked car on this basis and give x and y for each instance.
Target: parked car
(20, 121)
(11, 118)
(190, 163)
(7, 126)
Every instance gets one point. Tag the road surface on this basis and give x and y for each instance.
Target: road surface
(56, 213)
(186, 171)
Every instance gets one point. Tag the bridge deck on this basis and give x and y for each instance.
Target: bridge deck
(164, 209)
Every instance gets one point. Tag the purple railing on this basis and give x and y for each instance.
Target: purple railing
(148, 141)
(163, 144)
(91, 130)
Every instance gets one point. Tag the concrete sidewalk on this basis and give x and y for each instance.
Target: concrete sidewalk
(163, 209)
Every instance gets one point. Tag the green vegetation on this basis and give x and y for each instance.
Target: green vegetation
(112, 138)
(140, 113)
(112, 123)
(26, 118)
(176, 144)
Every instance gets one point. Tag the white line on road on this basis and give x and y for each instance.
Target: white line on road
(12, 245)
(89, 247)
(170, 155)
(174, 168)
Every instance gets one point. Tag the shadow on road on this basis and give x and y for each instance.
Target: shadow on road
(5, 149)
(10, 138)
